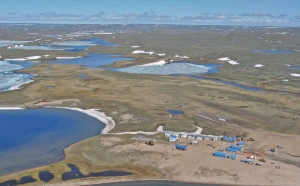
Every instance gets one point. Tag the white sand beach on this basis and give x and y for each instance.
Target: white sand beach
(18, 86)
(101, 116)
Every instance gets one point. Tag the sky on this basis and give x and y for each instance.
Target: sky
(189, 12)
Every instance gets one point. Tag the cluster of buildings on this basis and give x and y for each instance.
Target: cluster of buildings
(232, 149)
(173, 136)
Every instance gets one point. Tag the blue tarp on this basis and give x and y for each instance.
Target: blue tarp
(181, 147)
(220, 154)
(241, 143)
(236, 147)
(233, 156)
(231, 149)
(230, 139)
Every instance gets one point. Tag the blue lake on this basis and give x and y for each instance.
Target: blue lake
(70, 46)
(187, 68)
(92, 60)
(294, 67)
(37, 137)
(274, 51)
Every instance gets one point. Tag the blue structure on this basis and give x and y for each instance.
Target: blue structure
(233, 156)
(220, 154)
(231, 139)
(236, 147)
(206, 138)
(168, 133)
(241, 144)
(181, 147)
(231, 150)
(200, 137)
(184, 135)
(191, 136)
(172, 138)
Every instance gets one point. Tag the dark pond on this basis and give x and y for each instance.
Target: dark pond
(109, 173)
(26, 179)
(231, 83)
(9, 183)
(175, 112)
(75, 173)
(37, 137)
(46, 176)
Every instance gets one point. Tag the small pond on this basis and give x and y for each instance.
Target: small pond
(175, 112)
(274, 51)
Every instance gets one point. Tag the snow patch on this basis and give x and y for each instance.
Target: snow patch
(68, 57)
(259, 65)
(161, 62)
(296, 75)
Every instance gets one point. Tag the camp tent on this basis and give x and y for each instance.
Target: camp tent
(181, 147)
(233, 156)
(220, 154)
(184, 135)
(236, 147)
(168, 133)
(241, 144)
(231, 150)
(172, 138)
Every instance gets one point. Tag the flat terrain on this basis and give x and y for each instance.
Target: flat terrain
(271, 117)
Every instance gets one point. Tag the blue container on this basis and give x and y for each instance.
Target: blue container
(220, 154)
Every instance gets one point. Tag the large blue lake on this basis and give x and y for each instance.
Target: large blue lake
(37, 137)
(92, 60)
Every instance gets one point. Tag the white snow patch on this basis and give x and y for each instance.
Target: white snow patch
(224, 59)
(161, 54)
(142, 52)
(161, 62)
(103, 33)
(68, 57)
(296, 75)
(138, 52)
(17, 59)
(232, 62)
(259, 65)
(182, 57)
(135, 46)
(33, 57)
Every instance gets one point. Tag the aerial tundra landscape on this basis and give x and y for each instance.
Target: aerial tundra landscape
(154, 98)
